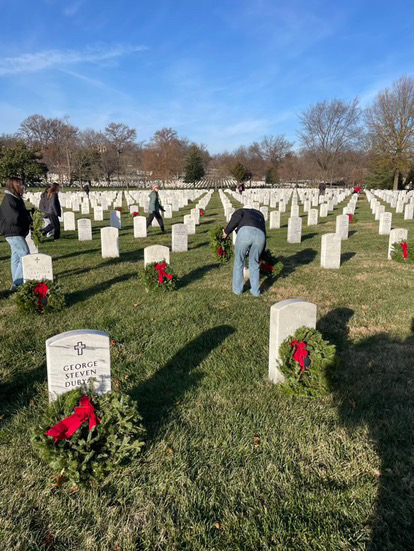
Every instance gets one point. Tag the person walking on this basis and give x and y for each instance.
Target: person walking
(15, 221)
(50, 206)
(250, 226)
(155, 207)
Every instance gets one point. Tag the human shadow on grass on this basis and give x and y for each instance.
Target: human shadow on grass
(19, 391)
(373, 386)
(158, 395)
(83, 294)
(77, 253)
(203, 244)
(198, 273)
(291, 263)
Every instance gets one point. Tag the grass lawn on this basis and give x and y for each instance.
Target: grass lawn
(231, 461)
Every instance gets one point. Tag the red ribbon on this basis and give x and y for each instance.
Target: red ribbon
(42, 292)
(162, 274)
(136, 213)
(268, 268)
(221, 252)
(405, 249)
(357, 189)
(301, 353)
(351, 218)
(201, 212)
(68, 427)
(119, 209)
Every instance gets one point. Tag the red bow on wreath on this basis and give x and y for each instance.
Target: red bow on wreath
(162, 274)
(268, 268)
(68, 427)
(221, 252)
(300, 355)
(136, 213)
(405, 249)
(201, 212)
(357, 189)
(351, 218)
(42, 292)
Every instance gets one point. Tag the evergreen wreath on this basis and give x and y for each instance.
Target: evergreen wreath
(403, 251)
(40, 297)
(352, 219)
(91, 454)
(221, 248)
(304, 361)
(269, 264)
(159, 276)
(37, 234)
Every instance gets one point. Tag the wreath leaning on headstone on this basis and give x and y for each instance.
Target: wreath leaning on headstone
(159, 276)
(40, 297)
(305, 359)
(84, 437)
(403, 252)
(221, 248)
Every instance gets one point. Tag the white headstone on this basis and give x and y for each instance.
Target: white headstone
(342, 226)
(156, 253)
(115, 219)
(179, 238)
(294, 229)
(75, 357)
(140, 226)
(274, 220)
(69, 221)
(110, 242)
(190, 223)
(396, 235)
(385, 223)
(31, 244)
(84, 229)
(285, 318)
(312, 217)
(331, 251)
(98, 214)
(37, 267)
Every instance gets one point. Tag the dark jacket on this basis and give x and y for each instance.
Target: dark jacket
(15, 219)
(246, 217)
(155, 203)
(50, 205)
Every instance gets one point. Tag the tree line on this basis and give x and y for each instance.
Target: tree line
(338, 141)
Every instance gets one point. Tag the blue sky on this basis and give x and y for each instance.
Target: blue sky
(221, 72)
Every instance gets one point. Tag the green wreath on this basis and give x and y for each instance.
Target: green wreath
(38, 219)
(41, 297)
(269, 265)
(397, 252)
(152, 274)
(90, 455)
(221, 248)
(310, 378)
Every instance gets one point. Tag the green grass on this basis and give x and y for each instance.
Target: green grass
(231, 462)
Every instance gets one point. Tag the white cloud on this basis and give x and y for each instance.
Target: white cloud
(73, 8)
(31, 63)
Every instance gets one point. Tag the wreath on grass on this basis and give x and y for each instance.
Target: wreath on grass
(40, 297)
(159, 276)
(221, 248)
(84, 437)
(305, 359)
(403, 252)
(135, 213)
(269, 265)
(352, 218)
(202, 213)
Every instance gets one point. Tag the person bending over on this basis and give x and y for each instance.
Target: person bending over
(250, 226)
(155, 207)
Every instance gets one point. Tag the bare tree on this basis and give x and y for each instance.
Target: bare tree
(165, 155)
(390, 121)
(120, 137)
(270, 152)
(330, 128)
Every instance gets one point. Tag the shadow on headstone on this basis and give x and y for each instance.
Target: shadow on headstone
(373, 386)
(158, 395)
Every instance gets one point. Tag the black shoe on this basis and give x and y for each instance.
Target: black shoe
(162, 231)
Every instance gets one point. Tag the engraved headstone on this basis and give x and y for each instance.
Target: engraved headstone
(331, 251)
(294, 229)
(274, 220)
(110, 242)
(69, 221)
(84, 229)
(140, 226)
(37, 267)
(179, 238)
(396, 235)
(156, 253)
(385, 223)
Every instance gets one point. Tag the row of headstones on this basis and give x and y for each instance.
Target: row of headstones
(308, 198)
(378, 209)
(75, 357)
(398, 200)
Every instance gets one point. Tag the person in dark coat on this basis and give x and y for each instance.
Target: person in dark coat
(251, 238)
(155, 207)
(15, 221)
(50, 206)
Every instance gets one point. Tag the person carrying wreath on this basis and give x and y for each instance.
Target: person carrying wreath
(15, 221)
(250, 226)
(50, 206)
(155, 207)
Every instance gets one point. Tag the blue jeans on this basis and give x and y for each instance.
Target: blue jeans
(252, 240)
(19, 249)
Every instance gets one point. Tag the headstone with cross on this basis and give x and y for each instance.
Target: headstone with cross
(76, 357)
(37, 267)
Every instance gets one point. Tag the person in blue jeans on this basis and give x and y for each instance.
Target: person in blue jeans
(15, 222)
(250, 226)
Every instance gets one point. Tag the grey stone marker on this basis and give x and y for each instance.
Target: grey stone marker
(115, 219)
(285, 318)
(179, 238)
(294, 210)
(85, 208)
(294, 229)
(342, 226)
(274, 220)
(75, 357)
(331, 251)
(140, 226)
(98, 214)
(396, 235)
(323, 210)
(156, 253)
(69, 221)
(385, 223)
(168, 211)
(408, 212)
(190, 223)
(313, 217)
(110, 242)
(37, 267)
(84, 229)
